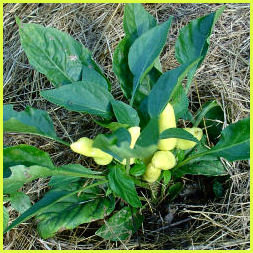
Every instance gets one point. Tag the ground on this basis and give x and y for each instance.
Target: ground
(195, 219)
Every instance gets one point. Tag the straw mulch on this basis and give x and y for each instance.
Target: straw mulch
(196, 219)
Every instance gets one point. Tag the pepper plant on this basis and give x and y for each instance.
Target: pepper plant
(143, 146)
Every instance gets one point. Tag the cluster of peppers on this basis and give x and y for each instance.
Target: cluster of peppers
(163, 159)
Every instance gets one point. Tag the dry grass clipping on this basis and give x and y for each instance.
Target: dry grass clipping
(224, 76)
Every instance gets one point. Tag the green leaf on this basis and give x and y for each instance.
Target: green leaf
(113, 126)
(54, 53)
(123, 186)
(125, 77)
(166, 176)
(138, 169)
(20, 201)
(120, 67)
(125, 114)
(213, 115)
(23, 164)
(116, 144)
(29, 121)
(5, 218)
(218, 189)
(83, 96)
(145, 51)
(120, 226)
(26, 155)
(193, 41)
(92, 76)
(180, 102)
(178, 133)
(234, 143)
(49, 200)
(77, 170)
(72, 212)
(21, 174)
(137, 21)
(208, 167)
(147, 142)
(164, 90)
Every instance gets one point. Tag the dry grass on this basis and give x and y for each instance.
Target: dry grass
(205, 224)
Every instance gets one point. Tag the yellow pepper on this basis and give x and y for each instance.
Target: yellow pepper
(185, 144)
(135, 133)
(167, 120)
(163, 160)
(151, 174)
(84, 147)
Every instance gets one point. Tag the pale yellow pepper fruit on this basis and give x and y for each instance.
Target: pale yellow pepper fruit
(84, 147)
(151, 174)
(135, 133)
(163, 160)
(167, 120)
(186, 144)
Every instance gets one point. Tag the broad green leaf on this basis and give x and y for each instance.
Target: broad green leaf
(92, 76)
(121, 68)
(164, 90)
(29, 121)
(138, 169)
(209, 167)
(21, 174)
(62, 182)
(45, 203)
(72, 212)
(212, 114)
(54, 53)
(125, 114)
(178, 133)
(20, 201)
(24, 155)
(5, 218)
(180, 102)
(193, 41)
(83, 96)
(147, 142)
(113, 126)
(125, 77)
(137, 21)
(23, 164)
(120, 226)
(123, 186)
(77, 170)
(234, 143)
(145, 51)
(116, 144)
